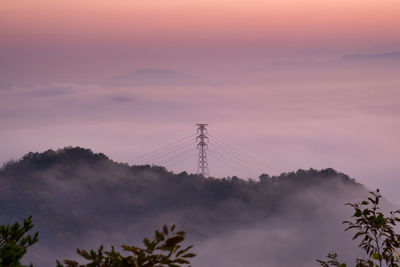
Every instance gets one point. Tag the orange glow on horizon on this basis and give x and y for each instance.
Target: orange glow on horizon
(213, 19)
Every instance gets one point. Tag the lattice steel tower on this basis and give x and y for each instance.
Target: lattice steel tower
(202, 146)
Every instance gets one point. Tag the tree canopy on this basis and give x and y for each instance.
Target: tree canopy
(14, 242)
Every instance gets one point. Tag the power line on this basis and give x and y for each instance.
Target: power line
(234, 161)
(172, 156)
(182, 149)
(237, 157)
(166, 147)
(166, 152)
(279, 161)
(180, 158)
(212, 155)
(239, 152)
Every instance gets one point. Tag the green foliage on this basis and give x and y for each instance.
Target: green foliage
(376, 232)
(332, 261)
(14, 242)
(163, 250)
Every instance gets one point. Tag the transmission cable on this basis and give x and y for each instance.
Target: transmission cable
(237, 157)
(158, 150)
(180, 158)
(165, 152)
(239, 152)
(212, 155)
(234, 161)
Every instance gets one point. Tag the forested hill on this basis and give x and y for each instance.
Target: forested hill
(82, 199)
(70, 160)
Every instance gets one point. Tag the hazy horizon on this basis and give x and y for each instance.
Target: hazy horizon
(271, 78)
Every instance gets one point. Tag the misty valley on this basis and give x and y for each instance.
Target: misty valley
(208, 133)
(81, 199)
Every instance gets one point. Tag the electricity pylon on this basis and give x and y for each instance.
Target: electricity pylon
(202, 146)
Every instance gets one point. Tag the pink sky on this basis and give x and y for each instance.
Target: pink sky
(80, 40)
(303, 21)
(55, 55)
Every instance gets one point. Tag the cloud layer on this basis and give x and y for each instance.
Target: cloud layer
(291, 115)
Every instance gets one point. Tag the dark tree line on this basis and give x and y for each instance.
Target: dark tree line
(74, 192)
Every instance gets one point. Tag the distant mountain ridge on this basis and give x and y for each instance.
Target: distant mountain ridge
(83, 199)
(355, 58)
(380, 56)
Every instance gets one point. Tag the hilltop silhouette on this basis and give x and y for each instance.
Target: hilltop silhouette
(83, 199)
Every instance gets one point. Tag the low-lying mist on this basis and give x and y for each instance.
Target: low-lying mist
(79, 199)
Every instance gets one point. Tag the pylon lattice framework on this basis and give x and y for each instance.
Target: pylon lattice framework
(202, 146)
